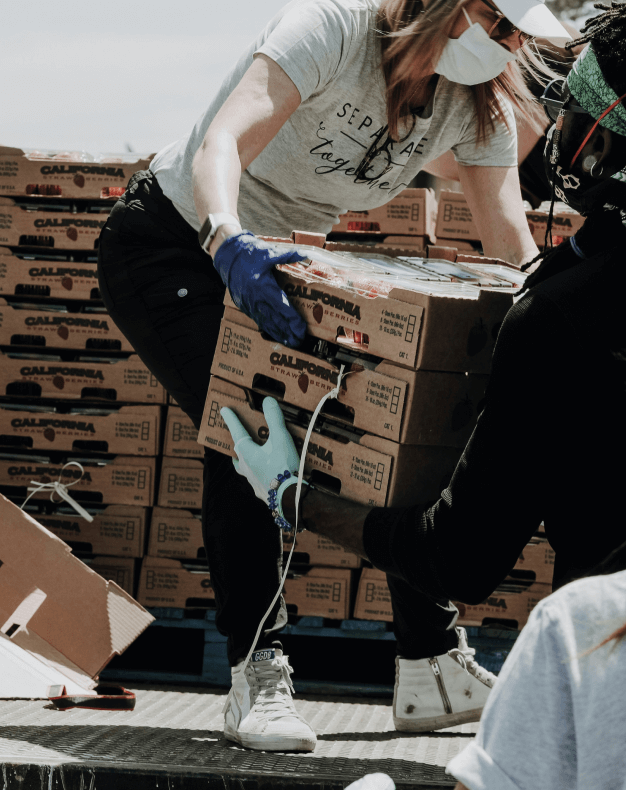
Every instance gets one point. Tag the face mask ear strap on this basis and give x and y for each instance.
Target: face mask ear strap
(593, 128)
(468, 17)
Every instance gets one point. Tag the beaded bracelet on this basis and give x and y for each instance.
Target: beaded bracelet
(277, 488)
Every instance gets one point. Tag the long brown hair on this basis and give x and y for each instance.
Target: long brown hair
(412, 37)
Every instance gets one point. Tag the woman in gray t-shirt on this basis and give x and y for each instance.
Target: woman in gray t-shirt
(337, 105)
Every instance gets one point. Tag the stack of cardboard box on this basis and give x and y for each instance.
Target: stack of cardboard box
(174, 572)
(456, 226)
(414, 220)
(71, 388)
(408, 220)
(417, 364)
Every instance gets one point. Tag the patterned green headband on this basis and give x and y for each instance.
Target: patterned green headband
(589, 87)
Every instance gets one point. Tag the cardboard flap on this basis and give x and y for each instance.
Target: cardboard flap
(24, 675)
(50, 657)
(127, 619)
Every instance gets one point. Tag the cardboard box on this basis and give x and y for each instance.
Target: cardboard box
(48, 328)
(373, 602)
(59, 174)
(54, 278)
(59, 230)
(407, 406)
(116, 380)
(120, 570)
(175, 534)
(417, 330)
(366, 469)
(167, 582)
(454, 218)
(455, 221)
(536, 563)
(68, 619)
(181, 483)
(411, 213)
(318, 550)
(320, 592)
(123, 480)
(181, 437)
(564, 224)
(508, 608)
(118, 530)
(129, 430)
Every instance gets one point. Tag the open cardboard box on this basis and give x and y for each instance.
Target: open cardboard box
(411, 213)
(47, 328)
(59, 174)
(121, 480)
(418, 330)
(407, 406)
(181, 437)
(129, 430)
(118, 380)
(366, 468)
(61, 623)
(59, 230)
(116, 530)
(54, 278)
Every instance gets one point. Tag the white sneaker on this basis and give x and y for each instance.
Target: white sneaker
(259, 711)
(434, 693)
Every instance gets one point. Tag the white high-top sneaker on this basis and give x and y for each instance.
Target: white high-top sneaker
(434, 693)
(259, 712)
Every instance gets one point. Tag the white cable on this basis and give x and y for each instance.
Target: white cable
(332, 394)
(57, 487)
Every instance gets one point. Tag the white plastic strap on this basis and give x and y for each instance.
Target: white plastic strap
(332, 394)
(57, 487)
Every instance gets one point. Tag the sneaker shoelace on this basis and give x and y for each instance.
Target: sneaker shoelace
(465, 657)
(273, 687)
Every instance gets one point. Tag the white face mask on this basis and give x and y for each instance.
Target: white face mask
(473, 58)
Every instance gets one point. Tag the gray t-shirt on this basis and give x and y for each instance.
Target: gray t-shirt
(556, 718)
(305, 177)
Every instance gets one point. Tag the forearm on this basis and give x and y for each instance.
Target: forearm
(338, 519)
(216, 173)
(495, 200)
(512, 244)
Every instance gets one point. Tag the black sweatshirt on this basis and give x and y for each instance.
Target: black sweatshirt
(549, 446)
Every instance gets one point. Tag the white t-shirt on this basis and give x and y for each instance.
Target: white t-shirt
(304, 178)
(556, 718)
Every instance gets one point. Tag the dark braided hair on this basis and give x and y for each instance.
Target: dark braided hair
(607, 34)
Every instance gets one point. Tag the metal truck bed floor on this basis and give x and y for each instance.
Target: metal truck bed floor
(173, 740)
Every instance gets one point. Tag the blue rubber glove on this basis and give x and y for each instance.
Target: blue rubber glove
(245, 265)
(262, 464)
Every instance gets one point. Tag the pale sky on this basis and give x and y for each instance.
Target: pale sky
(94, 76)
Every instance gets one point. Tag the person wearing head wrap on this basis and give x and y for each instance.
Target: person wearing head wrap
(549, 444)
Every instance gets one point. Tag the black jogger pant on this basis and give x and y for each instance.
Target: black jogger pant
(162, 291)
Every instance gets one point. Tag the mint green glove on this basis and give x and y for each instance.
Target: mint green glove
(271, 468)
